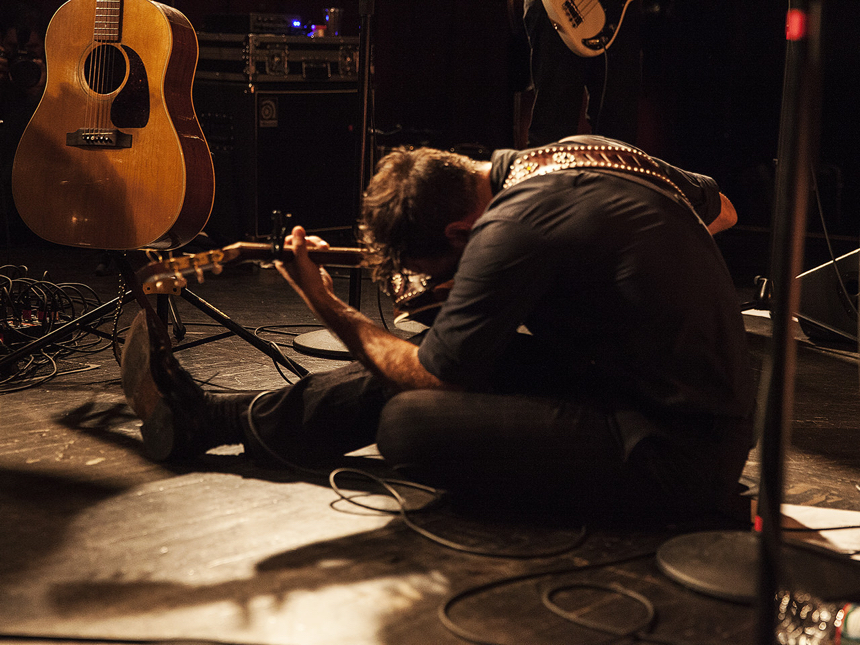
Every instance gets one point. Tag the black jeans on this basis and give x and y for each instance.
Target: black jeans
(560, 78)
(504, 447)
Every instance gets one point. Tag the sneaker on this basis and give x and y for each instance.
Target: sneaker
(177, 423)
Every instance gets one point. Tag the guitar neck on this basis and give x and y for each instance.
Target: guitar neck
(174, 268)
(335, 256)
(108, 20)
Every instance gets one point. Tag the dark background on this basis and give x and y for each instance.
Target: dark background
(446, 72)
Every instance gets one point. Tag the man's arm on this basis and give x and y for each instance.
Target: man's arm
(727, 218)
(386, 355)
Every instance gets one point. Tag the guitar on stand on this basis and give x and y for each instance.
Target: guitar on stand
(113, 157)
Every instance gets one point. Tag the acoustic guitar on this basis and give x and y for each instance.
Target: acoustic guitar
(114, 157)
(587, 27)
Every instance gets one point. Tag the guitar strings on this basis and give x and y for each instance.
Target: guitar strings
(88, 117)
(102, 54)
(588, 7)
(99, 65)
(94, 72)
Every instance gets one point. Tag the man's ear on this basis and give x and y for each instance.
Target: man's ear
(458, 232)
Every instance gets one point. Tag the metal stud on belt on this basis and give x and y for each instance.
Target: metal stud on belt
(543, 161)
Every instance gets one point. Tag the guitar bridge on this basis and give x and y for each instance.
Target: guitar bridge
(89, 138)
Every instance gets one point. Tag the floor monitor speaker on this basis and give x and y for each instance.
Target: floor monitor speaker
(828, 299)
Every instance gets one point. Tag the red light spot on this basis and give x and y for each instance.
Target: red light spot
(795, 25)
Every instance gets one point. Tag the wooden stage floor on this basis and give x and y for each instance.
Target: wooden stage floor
(99, 543)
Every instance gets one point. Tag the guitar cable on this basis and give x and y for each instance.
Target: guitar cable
(31, 308)
(596, 127)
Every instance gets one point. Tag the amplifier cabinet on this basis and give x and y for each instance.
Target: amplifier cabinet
(280, 146)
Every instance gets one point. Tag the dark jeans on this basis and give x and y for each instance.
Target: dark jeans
(503, 447)
(560, 77)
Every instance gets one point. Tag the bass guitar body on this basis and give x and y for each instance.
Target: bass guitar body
(587, 27)
(114, 157)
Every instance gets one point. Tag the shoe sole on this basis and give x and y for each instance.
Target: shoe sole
(142, 394)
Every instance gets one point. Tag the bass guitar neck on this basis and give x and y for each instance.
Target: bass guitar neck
(168, 275)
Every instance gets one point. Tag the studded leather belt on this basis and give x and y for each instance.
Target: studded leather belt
(621, 159)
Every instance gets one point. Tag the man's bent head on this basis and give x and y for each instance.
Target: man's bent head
(409, 202)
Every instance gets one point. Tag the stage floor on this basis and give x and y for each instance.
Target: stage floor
(98, 542)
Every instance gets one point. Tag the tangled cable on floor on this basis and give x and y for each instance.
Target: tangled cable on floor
(31, 308)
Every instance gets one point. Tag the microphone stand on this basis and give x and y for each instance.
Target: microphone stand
(723, 563)
(797, 151)
(323, 343)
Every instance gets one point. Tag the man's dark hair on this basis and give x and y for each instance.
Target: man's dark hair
(410, 200)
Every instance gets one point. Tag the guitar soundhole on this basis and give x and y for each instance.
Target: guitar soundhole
(104, 69)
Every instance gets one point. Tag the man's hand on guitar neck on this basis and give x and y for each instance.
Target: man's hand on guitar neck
(308, 279)
(389, 357)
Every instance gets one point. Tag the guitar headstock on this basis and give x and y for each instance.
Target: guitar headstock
(168, 276)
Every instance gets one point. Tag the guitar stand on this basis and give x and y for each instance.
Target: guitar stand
(166, 307)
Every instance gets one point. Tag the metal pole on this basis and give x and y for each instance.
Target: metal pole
(796, 156)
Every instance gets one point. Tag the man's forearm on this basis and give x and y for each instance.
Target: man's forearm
(727, 218)
(386, 355)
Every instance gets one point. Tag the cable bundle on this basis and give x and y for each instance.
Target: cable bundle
(31, 308)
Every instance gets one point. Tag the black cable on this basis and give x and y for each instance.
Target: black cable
(595, 128)
(273, 329)
(17, 270)
(34, 380)
(379, 309)
(403, 511)
(605, 626)
(445, 608)
(636, 633)
(31, 309)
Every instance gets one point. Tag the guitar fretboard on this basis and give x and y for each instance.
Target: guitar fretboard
(108, 20)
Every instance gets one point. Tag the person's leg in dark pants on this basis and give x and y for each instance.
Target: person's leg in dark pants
(540, 451)
(322, 417)
(558, 76)
(501, 448)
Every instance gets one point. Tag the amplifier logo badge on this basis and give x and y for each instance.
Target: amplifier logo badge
(267, 112)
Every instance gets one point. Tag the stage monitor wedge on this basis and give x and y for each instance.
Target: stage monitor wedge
(828, 300)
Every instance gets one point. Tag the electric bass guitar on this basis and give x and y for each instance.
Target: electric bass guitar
(417, 297)
(114, 157)
(166, 276)
(587, 27)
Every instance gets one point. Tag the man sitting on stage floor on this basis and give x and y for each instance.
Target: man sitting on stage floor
(591, 350)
